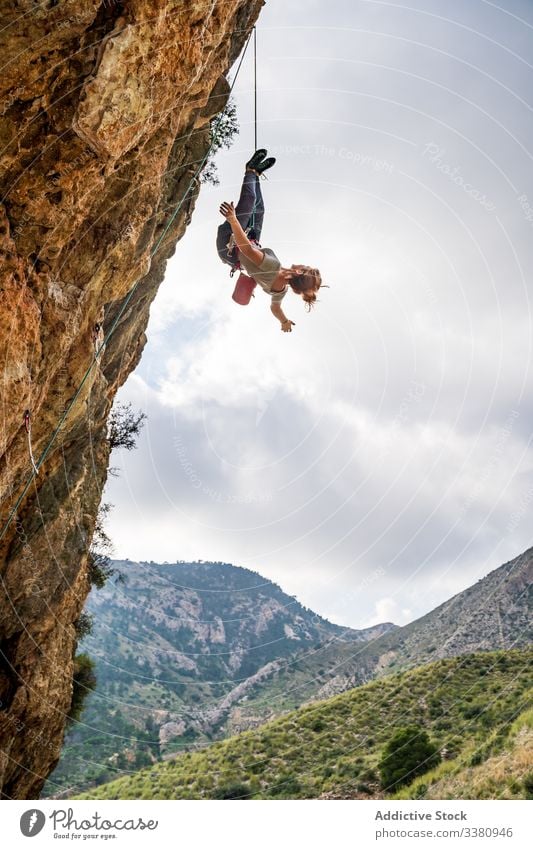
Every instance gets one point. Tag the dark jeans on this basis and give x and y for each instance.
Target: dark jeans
(250, 212)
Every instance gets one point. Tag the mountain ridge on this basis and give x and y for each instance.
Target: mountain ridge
(197, 712)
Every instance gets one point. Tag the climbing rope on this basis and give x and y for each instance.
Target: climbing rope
(255, 89)
(255, 110)
(37, 466)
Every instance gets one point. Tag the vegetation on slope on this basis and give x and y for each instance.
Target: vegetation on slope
(334, 747)
(502, 768)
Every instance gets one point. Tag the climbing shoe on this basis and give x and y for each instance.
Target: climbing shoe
(256, 159)
(266, 163)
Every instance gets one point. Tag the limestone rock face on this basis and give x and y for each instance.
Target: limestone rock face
(104, 118)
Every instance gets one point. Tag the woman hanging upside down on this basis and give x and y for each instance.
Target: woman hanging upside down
(238, 245)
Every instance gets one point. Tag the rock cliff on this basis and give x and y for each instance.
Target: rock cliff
(105, 112)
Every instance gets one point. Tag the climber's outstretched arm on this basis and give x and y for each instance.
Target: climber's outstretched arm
(241, 239)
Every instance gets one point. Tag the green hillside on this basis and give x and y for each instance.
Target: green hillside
(332, 748)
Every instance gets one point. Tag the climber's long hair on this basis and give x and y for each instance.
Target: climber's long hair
(305, 281)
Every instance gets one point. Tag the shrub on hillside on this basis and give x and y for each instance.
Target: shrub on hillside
(236, 790)
(408, 753)
(286, 787)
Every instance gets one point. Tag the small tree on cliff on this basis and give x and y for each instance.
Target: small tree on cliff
(223, 129)
(124, 426)
(408, 753)
(99, 567)
(84, 680)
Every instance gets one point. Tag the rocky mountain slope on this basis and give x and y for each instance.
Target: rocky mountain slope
(105, 112)
(179, 650)
(332, 748)
(495, 613)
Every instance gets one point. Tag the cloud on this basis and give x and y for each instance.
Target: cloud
(388, 610)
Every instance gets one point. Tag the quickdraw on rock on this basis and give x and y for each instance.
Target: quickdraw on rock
(98, 338)
(27, 425)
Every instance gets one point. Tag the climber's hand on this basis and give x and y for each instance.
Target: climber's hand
(228, 211)
(287, 325)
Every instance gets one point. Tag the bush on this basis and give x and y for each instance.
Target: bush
(473, 711)
(101, 540)
(408, 753)
(237, 790)
(348, 769)
(99, 568)
(368, 775)
(420, 792)
(286, 786)
(124, 426)
(478, 757)
(528, 786)
(83, 625)
(361, 787)
(83, 681)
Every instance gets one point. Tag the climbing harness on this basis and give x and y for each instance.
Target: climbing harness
(234, 251)
(27, 425)
(120, 313)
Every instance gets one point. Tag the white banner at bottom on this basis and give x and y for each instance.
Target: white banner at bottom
(312, 824)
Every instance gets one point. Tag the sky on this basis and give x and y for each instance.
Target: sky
(378, 459)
